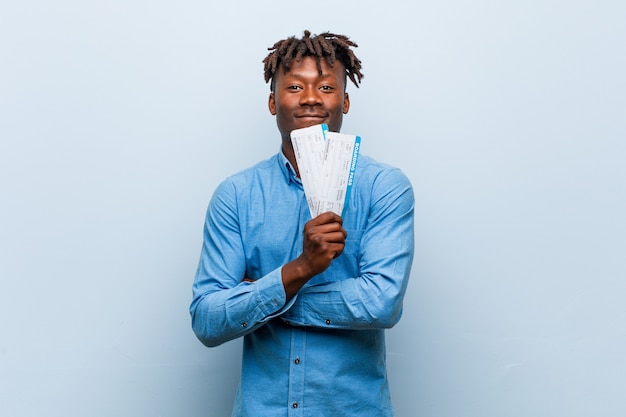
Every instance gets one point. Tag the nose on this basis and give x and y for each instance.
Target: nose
(310, 97)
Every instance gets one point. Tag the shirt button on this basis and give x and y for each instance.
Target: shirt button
(294, 405)
(244, 324)
(297, 361)
(327, 321)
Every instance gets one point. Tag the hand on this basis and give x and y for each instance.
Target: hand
(324, 240)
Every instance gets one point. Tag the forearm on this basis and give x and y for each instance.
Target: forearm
(367, 301)
(220, 315)
(295, 275)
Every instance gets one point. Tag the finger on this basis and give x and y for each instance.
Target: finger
(338, 251)
(336, 237)
(327, 217)
(320, 237)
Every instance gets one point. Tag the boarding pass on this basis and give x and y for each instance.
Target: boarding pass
(327, 164)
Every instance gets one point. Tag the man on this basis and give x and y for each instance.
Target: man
(311, 297)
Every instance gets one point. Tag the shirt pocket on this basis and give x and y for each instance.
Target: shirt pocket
(350, 259)
(347, 264)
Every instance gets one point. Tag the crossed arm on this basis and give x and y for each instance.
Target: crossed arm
(226, 307)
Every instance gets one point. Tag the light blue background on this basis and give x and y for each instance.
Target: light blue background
(119, 118)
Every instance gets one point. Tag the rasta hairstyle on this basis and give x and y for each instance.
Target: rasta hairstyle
(329, 46)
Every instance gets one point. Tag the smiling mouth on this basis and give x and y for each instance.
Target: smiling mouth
(311, 116)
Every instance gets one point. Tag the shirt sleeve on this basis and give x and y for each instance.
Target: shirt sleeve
(373, 298)
(224, 306)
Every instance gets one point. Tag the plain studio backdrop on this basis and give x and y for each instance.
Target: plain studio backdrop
(119, 118)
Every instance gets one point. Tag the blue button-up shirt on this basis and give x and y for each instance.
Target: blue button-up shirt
(322, 353)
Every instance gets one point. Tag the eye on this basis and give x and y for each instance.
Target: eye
(294, 87)
(327, 88)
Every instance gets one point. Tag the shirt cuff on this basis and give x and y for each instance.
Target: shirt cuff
(271, 295)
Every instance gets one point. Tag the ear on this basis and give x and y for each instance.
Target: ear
(271, 104)
(346, 103)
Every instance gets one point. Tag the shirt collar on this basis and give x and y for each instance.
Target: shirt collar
(287, 169)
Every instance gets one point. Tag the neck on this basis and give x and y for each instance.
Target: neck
(290, 155)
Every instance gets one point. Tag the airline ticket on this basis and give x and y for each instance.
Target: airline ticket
(327, 164)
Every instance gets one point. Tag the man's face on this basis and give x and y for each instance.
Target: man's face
(302, 97)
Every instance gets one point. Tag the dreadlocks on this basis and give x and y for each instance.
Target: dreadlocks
(327, 45)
